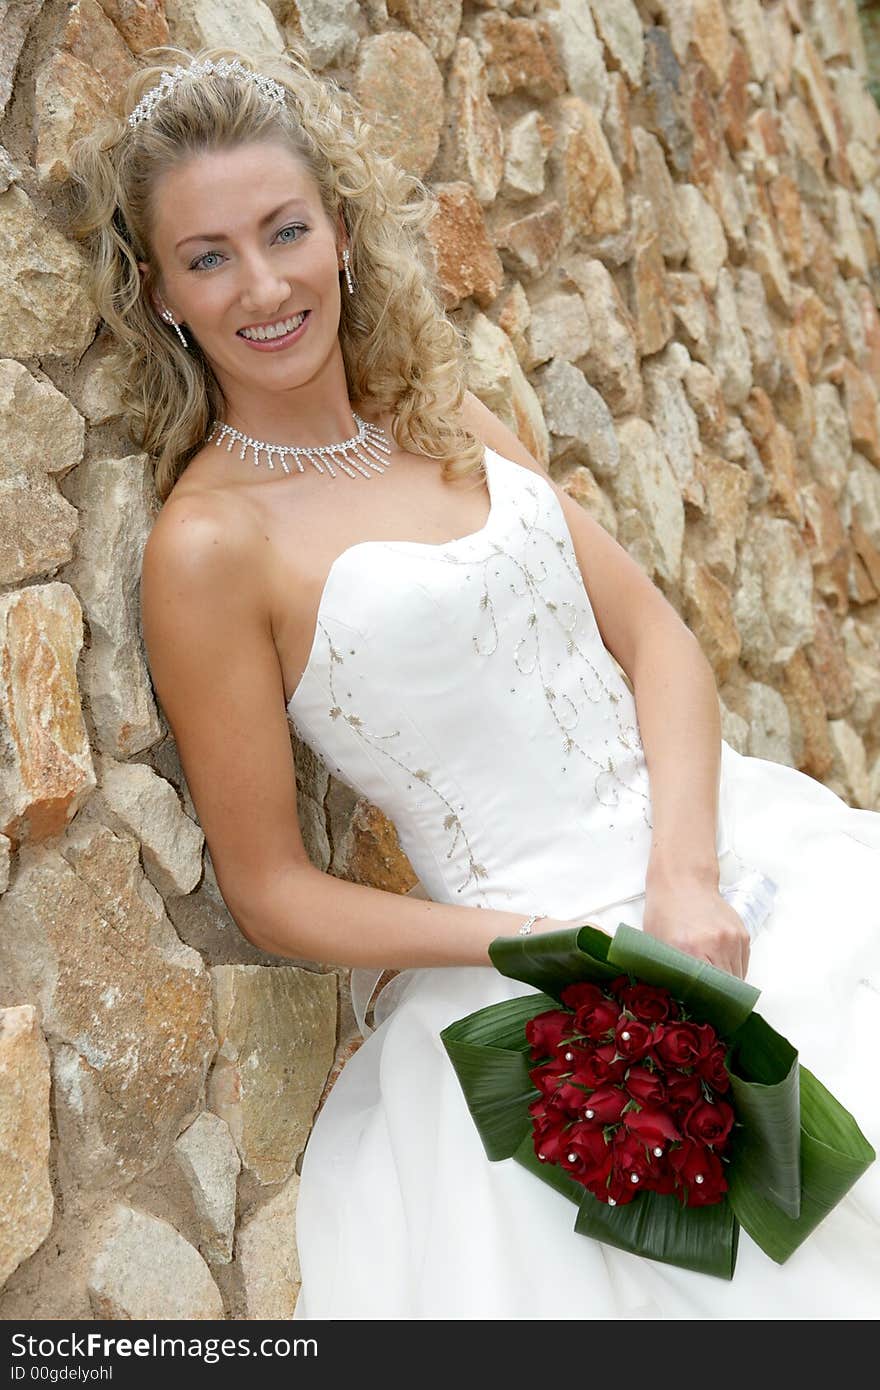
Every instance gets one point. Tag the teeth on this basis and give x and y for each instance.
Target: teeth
(276, 331)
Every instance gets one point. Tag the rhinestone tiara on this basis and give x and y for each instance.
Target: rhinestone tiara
(270, 89)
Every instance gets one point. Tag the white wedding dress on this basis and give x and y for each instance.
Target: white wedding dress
(465, 689)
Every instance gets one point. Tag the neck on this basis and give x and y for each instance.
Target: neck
(314, 413)
(295, 431)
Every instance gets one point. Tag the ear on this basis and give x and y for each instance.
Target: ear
(342, 237)
(146, 274)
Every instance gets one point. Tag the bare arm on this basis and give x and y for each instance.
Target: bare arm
(314, 916)
(680, 723)
(216, 673)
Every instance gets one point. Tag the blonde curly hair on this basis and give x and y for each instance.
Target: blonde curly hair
(400, 351)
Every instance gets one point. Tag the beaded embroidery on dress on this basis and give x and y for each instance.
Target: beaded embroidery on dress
(464, 688)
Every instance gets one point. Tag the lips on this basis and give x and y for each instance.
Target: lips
(283, 341)
(249, 328)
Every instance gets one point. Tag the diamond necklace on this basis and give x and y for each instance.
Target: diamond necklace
(365, 449)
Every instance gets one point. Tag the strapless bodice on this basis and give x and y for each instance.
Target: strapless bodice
(464, 689)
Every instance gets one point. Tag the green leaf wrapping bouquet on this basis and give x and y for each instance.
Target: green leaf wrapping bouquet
(641, 1085)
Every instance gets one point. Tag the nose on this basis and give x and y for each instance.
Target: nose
(264, 290)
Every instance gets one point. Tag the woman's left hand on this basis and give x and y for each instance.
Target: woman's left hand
(695, 918)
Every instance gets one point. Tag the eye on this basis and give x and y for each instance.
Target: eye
(199, 263)
(294, 227)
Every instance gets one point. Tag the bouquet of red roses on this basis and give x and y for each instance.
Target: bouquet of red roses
(631, 1094)
(641, 1084)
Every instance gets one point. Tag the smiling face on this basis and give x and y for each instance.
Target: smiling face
(243, 242)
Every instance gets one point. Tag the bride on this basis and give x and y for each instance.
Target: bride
(450, 640)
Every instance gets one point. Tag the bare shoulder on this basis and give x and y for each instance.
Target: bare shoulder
(199, 534)
(199, 581)
(626, 602)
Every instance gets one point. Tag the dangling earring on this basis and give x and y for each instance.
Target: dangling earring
(169, 318)
(346, 257)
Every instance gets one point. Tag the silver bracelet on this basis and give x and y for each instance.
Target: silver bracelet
(526, 928)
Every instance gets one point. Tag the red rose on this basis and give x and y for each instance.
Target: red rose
(618, 985)
(713, 1068)
(598, 1065)
(548, 1030)
(663, 1177)
(606, 1105)
(546, 1076)
(708, 1039)
(700, 1174)
(632, 1160)
(649, 1003)
(654, 1127)
(570, 1098)
(647, 1087)
(586, 1155)
(542, 1120)
(634, 1038)
(597, 1020)
(617, 1190)
(576, 995)
(545, 1114)
(681, 1045)
(683, 1090)
(549, 1140)
(709, 1124)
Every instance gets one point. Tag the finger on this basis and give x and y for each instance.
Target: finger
(729, 962)
(739, 948)
(743, 954)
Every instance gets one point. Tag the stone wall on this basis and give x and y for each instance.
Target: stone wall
(869, 16)
(660, 227)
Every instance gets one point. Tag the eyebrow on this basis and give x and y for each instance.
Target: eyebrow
(221, 236)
